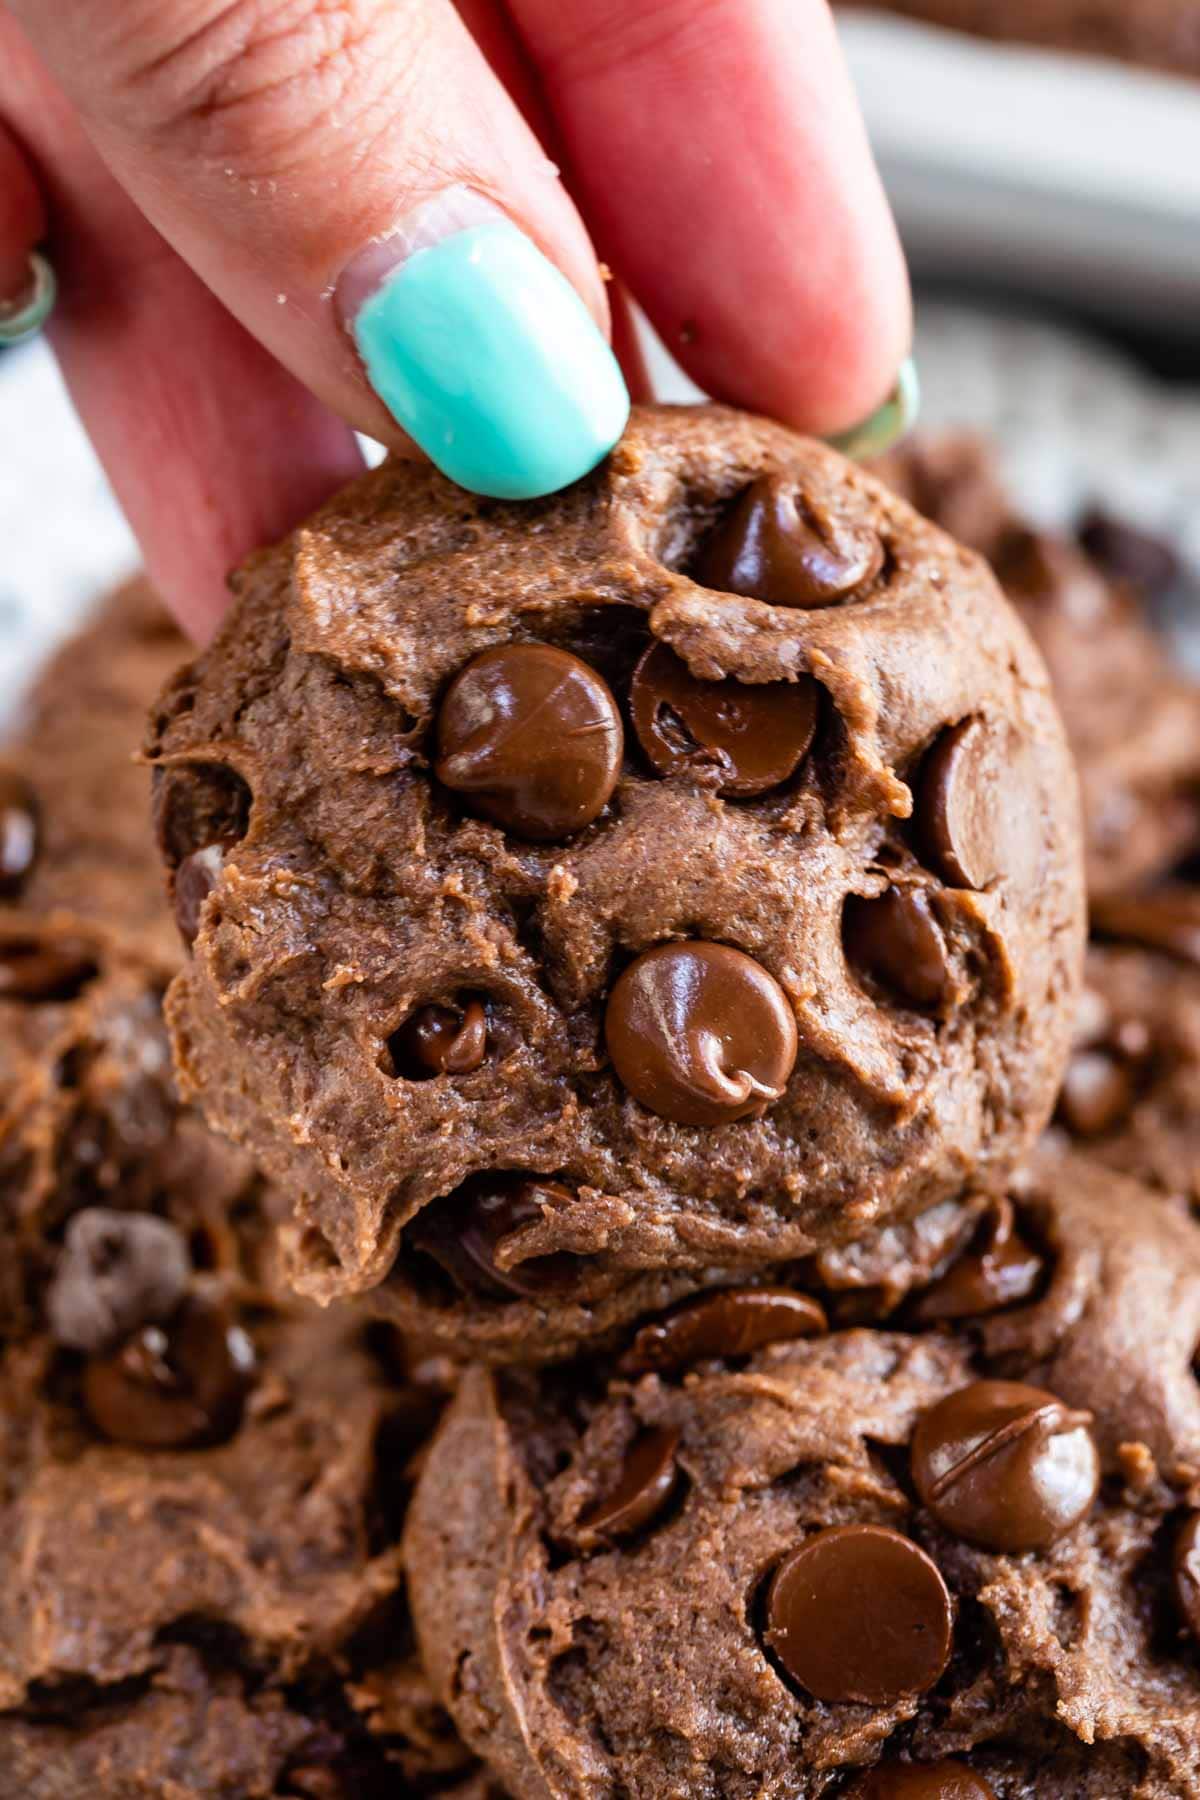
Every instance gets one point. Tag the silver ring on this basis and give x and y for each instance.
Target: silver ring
(24, 317)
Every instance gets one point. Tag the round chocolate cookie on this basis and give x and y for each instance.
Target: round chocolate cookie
(1133, 720)
(676, 875)
(750, 1554)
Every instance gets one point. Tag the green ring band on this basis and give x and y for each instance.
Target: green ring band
(25, 317)
(888, 423)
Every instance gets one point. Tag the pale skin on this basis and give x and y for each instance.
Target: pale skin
(202, 170)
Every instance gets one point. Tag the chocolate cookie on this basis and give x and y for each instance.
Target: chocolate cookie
(751, 1555)
(1133, 720)
(73, 797)
(679, 874)
(218, 1612)
(202, 1481)
(89, 1115)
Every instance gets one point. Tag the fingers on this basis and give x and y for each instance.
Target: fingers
(211, 447)
(720, 156)
(22, 217)
(323, 164)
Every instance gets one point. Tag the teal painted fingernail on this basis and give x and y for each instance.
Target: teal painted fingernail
(484, 352)
(888, 423)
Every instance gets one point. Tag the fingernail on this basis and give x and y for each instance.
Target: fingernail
(483, 351)
(888, 423)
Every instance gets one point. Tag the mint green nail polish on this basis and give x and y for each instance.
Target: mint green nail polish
(492, 363)
(888, 423)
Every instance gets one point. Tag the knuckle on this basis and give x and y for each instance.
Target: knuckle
(251, 84)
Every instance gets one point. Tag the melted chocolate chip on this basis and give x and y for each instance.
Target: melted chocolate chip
(735, 1322)
(1127, 554)
(777, 545)
(195, 879)
(20, 832)
(1167, 919)
(860, 1613)
(997, 1270)
(973, 812)
(1005, 1466)
(1186, 1572)
(462, 1233)
(896, 939)
(43, 971)
(700, 1033)
(740, 739)
(641, 1490)
(117, 1271)
(532, 738)
(175, 1386)
(1097, 1093)
(441, 1040)
(195, 804)
(921, 1781)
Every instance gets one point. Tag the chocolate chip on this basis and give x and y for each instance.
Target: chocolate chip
(462, 1233)
(921, 1781)
(1097, 1093)
(1048, 572)
(972, 809)
(441, 1040)
(20, 832)
(117, 1271)
(34, 970)
(860, 1613)
(175, 1386)
(1005, 1466)
(532, 737)
(1166, 919)
(700, 1033)
(197, 804)
(736, 1322)
(1186, 1572)
(195, 879)
(997, 1270)
(1127, 554)
(645, 1484)
(897, 939)
(776, 544)
(741, 739)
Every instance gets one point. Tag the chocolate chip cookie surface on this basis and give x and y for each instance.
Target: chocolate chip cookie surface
(1131, 1093)
(750, 1555)
(678, 874)
(1132, 717)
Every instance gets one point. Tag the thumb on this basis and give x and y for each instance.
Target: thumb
(355, 184)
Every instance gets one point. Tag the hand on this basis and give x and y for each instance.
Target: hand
(275, 220)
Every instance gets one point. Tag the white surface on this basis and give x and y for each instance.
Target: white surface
(62, 539)
(1033, 166)
(1074, 424)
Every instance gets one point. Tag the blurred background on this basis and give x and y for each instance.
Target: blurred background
(1047, 185)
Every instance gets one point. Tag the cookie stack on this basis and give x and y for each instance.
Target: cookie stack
(634, 941)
